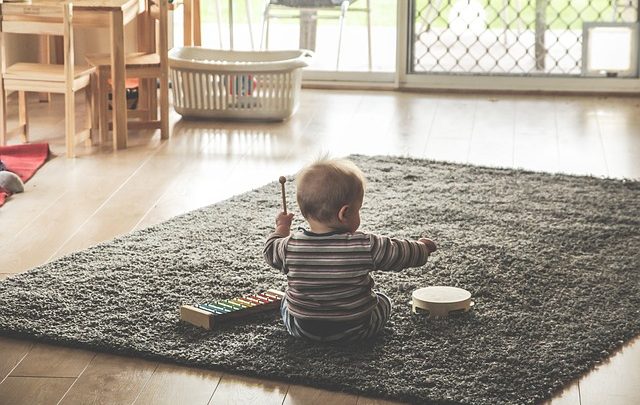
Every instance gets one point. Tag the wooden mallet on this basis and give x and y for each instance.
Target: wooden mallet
(283, 180)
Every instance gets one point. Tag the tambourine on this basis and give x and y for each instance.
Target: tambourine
(441, 301)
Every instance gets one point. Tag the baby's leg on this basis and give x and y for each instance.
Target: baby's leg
(289, 321)
(379, 316)
(295, 329)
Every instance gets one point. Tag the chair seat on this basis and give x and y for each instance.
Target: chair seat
(309, 3)
(44, 72)
(138, 59)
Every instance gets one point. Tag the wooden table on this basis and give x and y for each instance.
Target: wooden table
(112, 14)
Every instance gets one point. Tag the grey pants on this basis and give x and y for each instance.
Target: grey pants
(350, 332)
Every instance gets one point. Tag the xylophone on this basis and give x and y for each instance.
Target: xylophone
(207, 315)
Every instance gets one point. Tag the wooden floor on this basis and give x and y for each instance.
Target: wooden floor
(72, 204)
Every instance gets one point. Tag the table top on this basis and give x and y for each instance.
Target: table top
(96, 5)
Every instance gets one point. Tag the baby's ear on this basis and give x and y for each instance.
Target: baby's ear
(343, 212)
(11, 182)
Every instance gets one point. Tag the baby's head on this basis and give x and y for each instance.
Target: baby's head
(330, 192)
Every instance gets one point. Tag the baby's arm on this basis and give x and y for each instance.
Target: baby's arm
(274, 247)
(283, 223)
(431, 245)
(397, 254)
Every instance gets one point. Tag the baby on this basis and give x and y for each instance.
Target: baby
(330, 296)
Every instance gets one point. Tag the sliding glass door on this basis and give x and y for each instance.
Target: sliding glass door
(522, 45)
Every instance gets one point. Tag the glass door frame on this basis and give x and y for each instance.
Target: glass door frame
(403, 79)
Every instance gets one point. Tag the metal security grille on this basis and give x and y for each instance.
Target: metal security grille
(507, 37)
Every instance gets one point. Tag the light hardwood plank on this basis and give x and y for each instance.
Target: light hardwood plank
(303, 395)
(12, 351)
(110, 379)
(244, 390)
(53, 361)
(538, 153)
(33, 390)
(174, 385)
(616, 381)
(193, 187)
(448, 150)
(47, 233)
(494, 121)
(455, 117)
(127, 203)
(490, 153)
(568, 396)
(621, 145)
(376, 401)
(535, 116)
(42, 194)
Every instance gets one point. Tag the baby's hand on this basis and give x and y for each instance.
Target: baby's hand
(431, 245)
(284, 220)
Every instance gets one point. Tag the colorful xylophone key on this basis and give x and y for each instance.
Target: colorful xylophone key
(207, 315)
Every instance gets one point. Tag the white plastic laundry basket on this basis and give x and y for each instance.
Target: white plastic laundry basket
(248, 85)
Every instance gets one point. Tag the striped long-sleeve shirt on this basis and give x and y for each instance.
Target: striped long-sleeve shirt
(328, 274)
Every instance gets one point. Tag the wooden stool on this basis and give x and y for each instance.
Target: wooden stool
(151, 68)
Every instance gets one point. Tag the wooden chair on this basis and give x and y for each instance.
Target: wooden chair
(66, 79)
(308, 15)
(150, 66)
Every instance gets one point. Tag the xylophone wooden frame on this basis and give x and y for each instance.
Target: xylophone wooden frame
(201, 316)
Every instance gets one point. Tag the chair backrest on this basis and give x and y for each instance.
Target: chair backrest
(157, 36)
(163, 34)
(69, 53)
(21, 18)
(26, 18)
(159, 10)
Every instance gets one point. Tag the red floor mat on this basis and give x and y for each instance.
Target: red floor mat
(24, 160)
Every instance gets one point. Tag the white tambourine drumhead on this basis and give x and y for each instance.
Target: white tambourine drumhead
(440, 301)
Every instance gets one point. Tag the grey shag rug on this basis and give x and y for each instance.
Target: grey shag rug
(551, 261)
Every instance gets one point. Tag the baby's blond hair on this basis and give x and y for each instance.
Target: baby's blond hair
(327, 185)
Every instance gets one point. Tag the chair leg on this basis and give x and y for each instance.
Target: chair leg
(103, 104)
(3, 114)
(89, 94)
(264, 34)
(152, 98)
(69, 122)
(219, 23)
(23, 118)
(164, 108)
(369, 34)
(343, 14)
(248, 8)
(144, 90)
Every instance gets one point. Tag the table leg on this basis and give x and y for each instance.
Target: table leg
(191, 22)
(197, 38)
(119, 99)
(187, 21)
